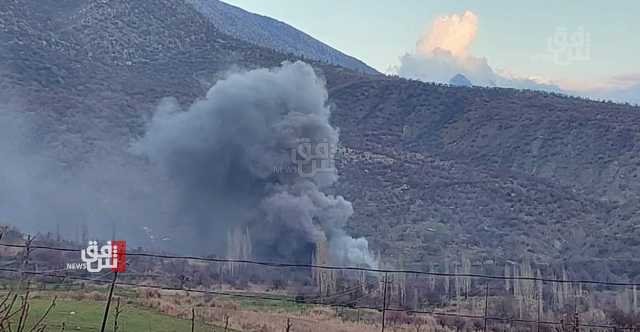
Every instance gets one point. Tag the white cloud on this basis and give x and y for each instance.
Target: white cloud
(441, 65)
(443, 51)
(450, 33)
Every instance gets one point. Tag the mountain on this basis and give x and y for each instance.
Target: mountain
(460, 80)
(491, 171)
(432, 170)
(112, 61)
(267, 32)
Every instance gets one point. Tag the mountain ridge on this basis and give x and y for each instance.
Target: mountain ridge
(432, 170)
(268, 32)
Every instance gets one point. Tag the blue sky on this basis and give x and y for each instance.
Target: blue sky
(510, 33)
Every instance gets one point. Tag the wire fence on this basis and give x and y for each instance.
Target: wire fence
(382, 302)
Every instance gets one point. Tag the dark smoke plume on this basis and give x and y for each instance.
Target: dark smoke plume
(106, 192)
(256, 154)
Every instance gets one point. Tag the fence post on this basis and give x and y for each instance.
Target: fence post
(193, 319)
(106, 308)
(384, 300)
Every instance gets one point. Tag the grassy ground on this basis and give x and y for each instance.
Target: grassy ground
(153, 311)
(270, 305)
(86, 315)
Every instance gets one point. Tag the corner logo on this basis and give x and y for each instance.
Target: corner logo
(112, 256)
(564, 48)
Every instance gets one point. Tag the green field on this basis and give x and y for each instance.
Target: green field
(270, 305)
(87, 316)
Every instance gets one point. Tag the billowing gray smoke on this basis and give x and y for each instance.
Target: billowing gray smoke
(256, 154)
(108, 192)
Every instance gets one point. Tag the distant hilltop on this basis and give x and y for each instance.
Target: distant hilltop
(268, 32)
(460, 80)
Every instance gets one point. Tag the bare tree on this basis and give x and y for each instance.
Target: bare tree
(226, 323)
(7, 313)
(288, 327)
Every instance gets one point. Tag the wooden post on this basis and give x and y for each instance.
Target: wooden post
(106, 308)
(193, 319)
(486, 305)
(384, 300)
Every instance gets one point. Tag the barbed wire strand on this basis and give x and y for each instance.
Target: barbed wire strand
(345, 268)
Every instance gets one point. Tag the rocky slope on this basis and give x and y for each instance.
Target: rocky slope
(267, 32)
